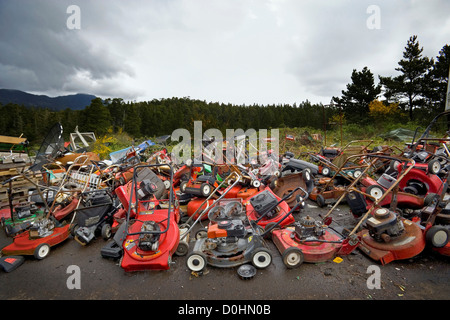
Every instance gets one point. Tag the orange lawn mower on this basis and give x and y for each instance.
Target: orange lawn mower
(386, 235)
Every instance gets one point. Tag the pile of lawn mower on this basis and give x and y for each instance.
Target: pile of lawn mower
(152, 211)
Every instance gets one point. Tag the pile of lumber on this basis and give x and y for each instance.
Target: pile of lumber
(14, 161)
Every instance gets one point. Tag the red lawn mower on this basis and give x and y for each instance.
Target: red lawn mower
(150, 235)
(266, 207)
(311, 240)
(387, 237)
(416, 187)
(46, 230)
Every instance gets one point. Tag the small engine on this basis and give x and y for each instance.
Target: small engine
(307, 228)
(264, 203)
(149, 241)
(384, 225)
(41, 228)
(25, 210)
(84, 235)
(146, 189)
(234, 228)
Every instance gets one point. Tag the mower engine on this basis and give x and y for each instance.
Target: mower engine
(148, 241)
(234, 228)
(309, 229)
(265, 204)
(41, 228)
(25, 210)
(227, 230)
(84, 235)
(384, 225)
(146, 189)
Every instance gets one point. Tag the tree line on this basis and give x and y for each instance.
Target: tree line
(158, 117)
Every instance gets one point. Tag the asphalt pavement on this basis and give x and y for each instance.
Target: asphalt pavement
(424, 277)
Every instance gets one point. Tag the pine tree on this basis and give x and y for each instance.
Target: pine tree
(437, 81)
(132, 121)
(360, 92)
(410, 86)
(97, 118)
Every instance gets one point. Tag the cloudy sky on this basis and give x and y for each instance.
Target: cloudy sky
(231, 51)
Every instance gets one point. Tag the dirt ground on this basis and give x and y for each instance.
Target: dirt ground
(424, 277)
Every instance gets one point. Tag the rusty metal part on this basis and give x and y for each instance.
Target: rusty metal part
(285, 185)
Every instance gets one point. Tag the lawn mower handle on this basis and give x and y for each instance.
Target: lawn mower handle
(295, 207)
(374, 155)
(134, 190)
(394, 185)
(208, 207)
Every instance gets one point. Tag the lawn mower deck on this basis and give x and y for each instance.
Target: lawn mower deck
(390, 238)
(38, 240)
(150, 252)
(311, 241)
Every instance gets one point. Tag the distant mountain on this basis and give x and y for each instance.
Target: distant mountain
(75, 101)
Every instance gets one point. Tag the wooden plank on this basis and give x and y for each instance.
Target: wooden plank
(13, 140)
(9, 165)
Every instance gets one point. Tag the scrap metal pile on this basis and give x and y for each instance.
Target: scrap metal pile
(149, 209)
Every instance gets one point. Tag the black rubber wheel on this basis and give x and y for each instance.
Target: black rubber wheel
(434, 166)
(375, 192)
(196, 262)
(270, 226)
(357, 173)
(106, 231)
(261, 258)
(201, 233)
(41, 251)
(183, 186)
(182, 249)
(438, 236)
(320, 201)
(292, 257)
(205, 189)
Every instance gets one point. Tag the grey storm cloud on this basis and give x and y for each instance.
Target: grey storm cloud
(238, 51)
(39, 52)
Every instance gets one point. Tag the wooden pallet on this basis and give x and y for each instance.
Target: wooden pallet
(20, 186)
